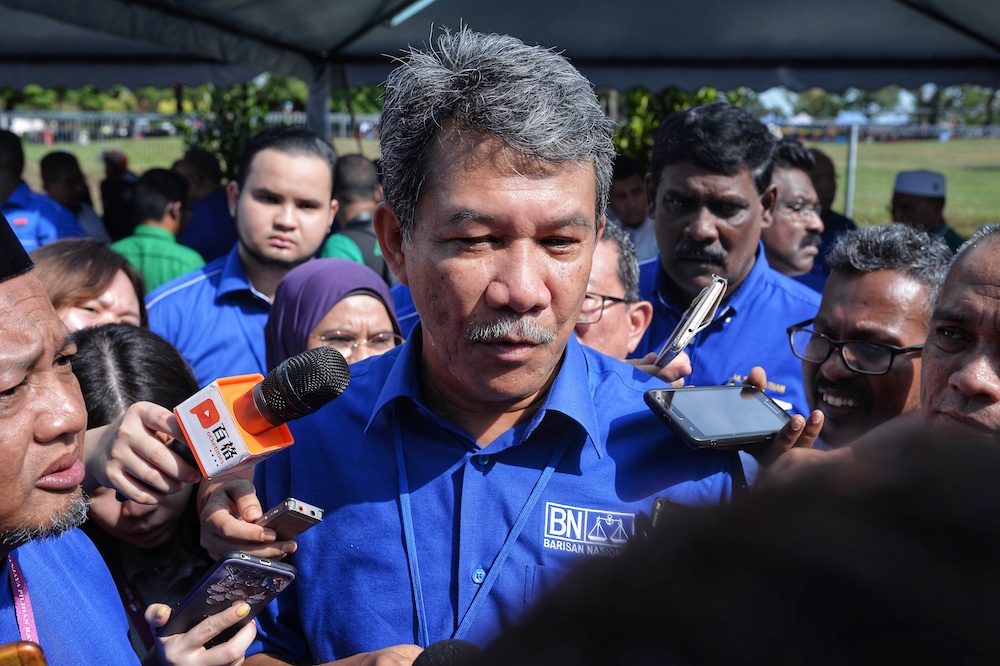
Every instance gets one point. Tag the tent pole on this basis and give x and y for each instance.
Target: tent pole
(318, 105)
(852, 167)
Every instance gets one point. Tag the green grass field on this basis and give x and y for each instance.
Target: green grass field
(972, 167)
(142, 154)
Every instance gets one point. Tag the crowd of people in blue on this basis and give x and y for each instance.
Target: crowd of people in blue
(500, 282)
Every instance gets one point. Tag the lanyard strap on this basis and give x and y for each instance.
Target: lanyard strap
(22, 602)
(410, 539)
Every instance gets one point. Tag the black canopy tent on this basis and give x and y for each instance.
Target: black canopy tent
(653, 43)
(797, 44)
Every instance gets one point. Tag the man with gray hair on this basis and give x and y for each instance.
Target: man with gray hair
(467, 468)
(861, 354)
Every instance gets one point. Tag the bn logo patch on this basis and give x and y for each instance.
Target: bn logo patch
(587, 531)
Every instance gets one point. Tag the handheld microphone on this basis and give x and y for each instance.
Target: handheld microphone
(235, 422)
(449, 652)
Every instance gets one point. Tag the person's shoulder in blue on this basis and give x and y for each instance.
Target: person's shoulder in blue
(37, 220)
(214, 317)
(69, 570)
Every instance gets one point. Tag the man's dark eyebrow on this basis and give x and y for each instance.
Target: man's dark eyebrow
(944, 315)
(263, 191)
(467, 215)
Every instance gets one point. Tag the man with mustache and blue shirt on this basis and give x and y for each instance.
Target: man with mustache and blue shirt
(710, 187)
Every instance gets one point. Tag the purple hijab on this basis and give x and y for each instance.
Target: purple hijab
(307, 293)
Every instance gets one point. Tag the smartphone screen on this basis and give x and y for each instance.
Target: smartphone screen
(718, 415)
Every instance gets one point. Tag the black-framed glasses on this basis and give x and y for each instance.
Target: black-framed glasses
(861, 356)
(347, 343)
(802, 208)
(593, 307)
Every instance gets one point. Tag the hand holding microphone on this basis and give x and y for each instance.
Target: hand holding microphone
(130, 455)
(235, 422)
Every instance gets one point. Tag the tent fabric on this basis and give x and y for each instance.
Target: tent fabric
(654, 43)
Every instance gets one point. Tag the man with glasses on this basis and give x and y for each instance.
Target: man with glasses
(613, 318)
(862, 353)
(792, 240)
(711, 190)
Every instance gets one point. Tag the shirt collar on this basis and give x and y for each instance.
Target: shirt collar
(234, 278)
(21, 196)
(153, 232)
(571, 394)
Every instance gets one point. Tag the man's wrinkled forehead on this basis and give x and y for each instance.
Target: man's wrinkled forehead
(976, 269)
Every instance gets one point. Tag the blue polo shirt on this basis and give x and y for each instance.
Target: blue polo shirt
(38, 220)
(211, 230)
(748, 330)
(406, 313)
(355, 593)
(215, 319)
(78, 613)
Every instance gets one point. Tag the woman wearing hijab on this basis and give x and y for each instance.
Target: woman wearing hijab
(332, 302)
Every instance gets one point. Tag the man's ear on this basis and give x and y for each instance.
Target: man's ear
(334, 207)
(768, 200)
(640, 314)
(390, 239)
(232, 194)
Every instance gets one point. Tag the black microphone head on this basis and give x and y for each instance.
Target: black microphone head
(449, 652)
(303, 383)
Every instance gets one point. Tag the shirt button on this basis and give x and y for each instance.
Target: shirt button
(481, 460)
(728, 319)
(478, 576)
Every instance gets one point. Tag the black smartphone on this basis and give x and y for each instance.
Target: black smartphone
(718, 416)
(234, 577)
(291, 518)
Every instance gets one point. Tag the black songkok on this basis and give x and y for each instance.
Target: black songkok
(13, 259)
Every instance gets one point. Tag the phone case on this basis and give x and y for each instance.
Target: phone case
(719, 416)
(235, 577)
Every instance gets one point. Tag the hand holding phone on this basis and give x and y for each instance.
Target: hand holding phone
(699, 315)
(719, 416)
(291, 518)
(235, 577)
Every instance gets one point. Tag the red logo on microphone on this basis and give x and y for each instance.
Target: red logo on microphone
(207, 414)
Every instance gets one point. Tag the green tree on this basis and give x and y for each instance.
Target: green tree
(229, 118)
(643, 110)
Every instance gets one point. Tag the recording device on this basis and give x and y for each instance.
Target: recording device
(449, 652)
(719, 416)
(235, 422)
(291, 518)
(699, 315)
(235, 577)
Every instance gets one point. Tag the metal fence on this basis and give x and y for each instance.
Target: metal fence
(84, 127)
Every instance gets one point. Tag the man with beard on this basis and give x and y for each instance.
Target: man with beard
(56, 591)
(468, 468)
(283, 205)
(792, 241)
(710, 187)
(861, 355)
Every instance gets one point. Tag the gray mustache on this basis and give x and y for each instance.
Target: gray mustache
(518, 328)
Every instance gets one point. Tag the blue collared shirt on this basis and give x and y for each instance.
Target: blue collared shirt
(211, 230)
(38, 220)
(748, 330)
(215, 319)
(354, 591)
(78, 613)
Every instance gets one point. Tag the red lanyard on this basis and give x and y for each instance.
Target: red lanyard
(22, 602)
